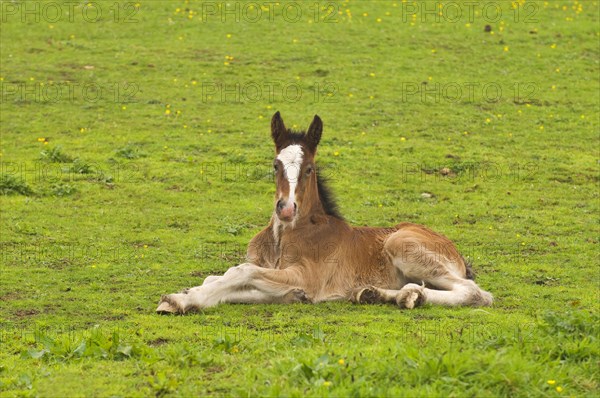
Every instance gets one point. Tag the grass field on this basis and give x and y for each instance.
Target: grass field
(136, 160)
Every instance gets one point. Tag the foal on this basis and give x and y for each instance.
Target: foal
(308, 253)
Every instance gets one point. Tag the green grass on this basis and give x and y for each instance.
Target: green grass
(109, 202)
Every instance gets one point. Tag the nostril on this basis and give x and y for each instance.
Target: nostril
(280, 205)
(295, 207)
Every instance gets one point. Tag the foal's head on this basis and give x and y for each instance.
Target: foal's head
(294, 165)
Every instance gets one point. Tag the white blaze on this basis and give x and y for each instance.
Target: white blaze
(291, 157)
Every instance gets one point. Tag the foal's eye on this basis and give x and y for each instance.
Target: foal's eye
(275, 166)
(309, 170)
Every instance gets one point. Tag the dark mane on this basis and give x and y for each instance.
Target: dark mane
(327, 199)
(295, 137)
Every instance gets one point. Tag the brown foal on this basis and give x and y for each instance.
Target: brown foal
(308, 253)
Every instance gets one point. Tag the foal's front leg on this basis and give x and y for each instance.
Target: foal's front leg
(246, 283)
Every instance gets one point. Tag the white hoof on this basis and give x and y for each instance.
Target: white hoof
(168, 305)
(410, 296)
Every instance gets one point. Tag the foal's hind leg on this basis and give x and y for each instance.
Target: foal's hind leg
(427, 258)
(404, 298)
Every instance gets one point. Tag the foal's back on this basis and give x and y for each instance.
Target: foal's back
(364, 256)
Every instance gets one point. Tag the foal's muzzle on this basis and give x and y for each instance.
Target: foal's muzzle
(286, 211)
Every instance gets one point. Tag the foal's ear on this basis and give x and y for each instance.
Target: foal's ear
(313, 135)
(278, 130)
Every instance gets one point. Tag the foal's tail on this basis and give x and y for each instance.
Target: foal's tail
(469, 267)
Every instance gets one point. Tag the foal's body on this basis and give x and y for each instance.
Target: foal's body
(309, 253)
